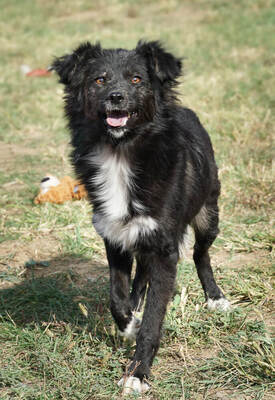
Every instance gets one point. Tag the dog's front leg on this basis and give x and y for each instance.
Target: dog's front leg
(120, 264)
(162, 273)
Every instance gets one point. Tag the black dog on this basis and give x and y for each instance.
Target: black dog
(148, 166)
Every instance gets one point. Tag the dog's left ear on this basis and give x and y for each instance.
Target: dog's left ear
(166, 66)
(67, 66)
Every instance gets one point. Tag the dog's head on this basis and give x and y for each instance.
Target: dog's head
(119, 88)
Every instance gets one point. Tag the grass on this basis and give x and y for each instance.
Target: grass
(57, 338)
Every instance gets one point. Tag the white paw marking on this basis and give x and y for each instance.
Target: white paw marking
(131, 384)
(131, 329)
(221, 304)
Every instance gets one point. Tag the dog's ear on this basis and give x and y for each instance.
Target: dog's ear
(67, 65)
(166, 66)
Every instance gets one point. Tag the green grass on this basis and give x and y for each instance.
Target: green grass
(57, 338)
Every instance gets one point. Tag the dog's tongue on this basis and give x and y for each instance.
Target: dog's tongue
(116, 121)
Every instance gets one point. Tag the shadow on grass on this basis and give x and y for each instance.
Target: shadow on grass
(62, 290)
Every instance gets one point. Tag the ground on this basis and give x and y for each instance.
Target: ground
(57, 338)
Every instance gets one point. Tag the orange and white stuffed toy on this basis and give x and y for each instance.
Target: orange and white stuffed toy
(53, 190)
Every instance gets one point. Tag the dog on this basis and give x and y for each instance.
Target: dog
(148, 166)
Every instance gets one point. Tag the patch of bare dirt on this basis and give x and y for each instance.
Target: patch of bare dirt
(17, 253)
(218, 394)
(42, 257)
(83, 270)
(187, 12)
(9, 152)
(240, 260)
(78, 16)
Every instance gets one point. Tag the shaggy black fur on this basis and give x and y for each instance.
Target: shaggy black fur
(121, 105)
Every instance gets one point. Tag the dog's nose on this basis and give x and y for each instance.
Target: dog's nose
(116, 97)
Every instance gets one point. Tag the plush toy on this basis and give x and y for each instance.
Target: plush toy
(58, 191)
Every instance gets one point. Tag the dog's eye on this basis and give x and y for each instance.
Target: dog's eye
(100, 80)
(136, 79)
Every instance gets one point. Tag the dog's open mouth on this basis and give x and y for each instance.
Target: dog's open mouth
(117, 119)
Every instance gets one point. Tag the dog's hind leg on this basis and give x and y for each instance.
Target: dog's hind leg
(205, 226)
(120, 264)
(139, 284)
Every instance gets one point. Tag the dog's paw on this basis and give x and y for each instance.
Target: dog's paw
(221, 304)
(131, 330)
(131, 384)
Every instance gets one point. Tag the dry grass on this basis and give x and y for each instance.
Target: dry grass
(57, 339)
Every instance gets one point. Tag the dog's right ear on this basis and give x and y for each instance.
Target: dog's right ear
(164, 65)
(67, 65)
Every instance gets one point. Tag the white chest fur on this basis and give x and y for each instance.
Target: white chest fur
(114, 182)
